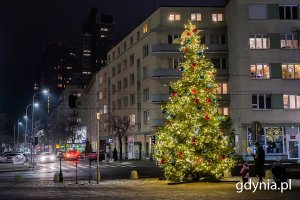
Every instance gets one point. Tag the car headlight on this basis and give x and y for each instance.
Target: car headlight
(52, 158)
(42, 158)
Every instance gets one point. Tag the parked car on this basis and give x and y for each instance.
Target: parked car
(46, 157)
(93, 156)
(72, 155)
(8, 156)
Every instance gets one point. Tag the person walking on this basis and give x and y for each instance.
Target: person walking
(259, 161)
(115, 154)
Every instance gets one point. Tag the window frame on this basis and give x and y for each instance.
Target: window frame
(258, 105)
(256, 74)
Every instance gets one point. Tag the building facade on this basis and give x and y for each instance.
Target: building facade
(264, 64)
(253, 44)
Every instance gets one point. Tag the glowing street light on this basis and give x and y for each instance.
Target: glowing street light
(32, 122)
(26, 120)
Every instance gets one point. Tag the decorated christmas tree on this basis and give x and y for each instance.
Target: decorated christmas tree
(191, 143)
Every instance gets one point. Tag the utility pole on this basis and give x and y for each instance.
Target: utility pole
(98, 146)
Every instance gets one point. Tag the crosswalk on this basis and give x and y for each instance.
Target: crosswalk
(82, 166)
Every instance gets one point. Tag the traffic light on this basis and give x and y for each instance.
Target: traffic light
(36, 140)
(72, 101)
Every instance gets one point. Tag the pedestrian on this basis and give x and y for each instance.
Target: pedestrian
(259, 161)
(115, 154)
(245, 172)
(108, 154)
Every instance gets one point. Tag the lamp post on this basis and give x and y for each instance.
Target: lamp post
(32, 120)
(26, 120)
(98, 146)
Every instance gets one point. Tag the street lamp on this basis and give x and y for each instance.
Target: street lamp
(26, 120)
(32, 121)
(98, 146)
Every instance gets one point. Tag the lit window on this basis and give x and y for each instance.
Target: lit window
(260, 71)
(289, 41)
(100, 95)
(223, 111)
(290, 71)
(174, 17)
(258, 41)
(196, 16)
(105, 109)
(291, 101)
(261, 101)
(145, 28)
(132, 120)
(222, 88)
(217, 17)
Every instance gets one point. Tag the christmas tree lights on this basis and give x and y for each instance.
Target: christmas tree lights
(191, 143)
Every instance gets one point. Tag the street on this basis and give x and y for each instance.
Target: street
(108, 170)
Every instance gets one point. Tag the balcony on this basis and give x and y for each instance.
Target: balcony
(165, 48)
(166, 73)
(158, 98)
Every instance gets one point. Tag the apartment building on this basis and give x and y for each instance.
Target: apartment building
(253, 44)
(133, 83)
(264, 67)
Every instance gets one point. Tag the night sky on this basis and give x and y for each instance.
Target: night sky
(26, 26)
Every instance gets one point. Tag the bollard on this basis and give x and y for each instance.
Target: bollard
(134, 175)
(56, 177)
(227, 174)
(18, 178)
(268, 174)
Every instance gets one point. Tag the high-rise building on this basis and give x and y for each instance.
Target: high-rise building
(96, 40)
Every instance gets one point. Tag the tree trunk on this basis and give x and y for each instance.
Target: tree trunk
(120, 142)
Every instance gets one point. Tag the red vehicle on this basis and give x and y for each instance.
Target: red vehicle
(93, 155)
(72, 155)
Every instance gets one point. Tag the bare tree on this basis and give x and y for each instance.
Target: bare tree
(119, 126)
